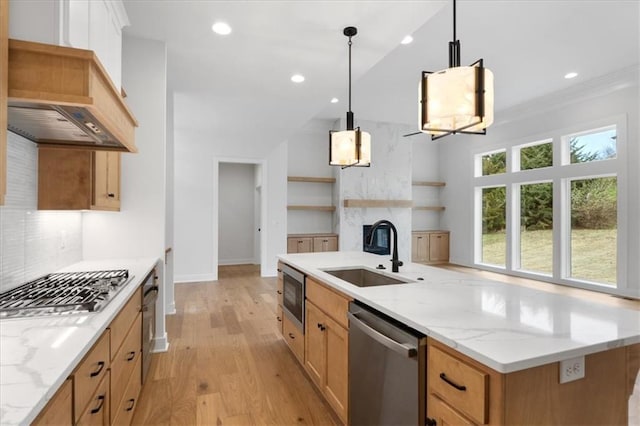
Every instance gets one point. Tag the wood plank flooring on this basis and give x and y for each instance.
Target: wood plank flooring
(226, 364)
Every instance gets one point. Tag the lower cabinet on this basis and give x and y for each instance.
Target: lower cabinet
(97, 412)
(123, 414)
(430, 246)
(294, 338)
(89, 375)
(59, 410)
(308, 243)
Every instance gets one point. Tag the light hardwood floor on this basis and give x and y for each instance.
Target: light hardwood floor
(226, 364)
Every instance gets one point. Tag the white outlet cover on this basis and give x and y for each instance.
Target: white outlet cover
(572, 369)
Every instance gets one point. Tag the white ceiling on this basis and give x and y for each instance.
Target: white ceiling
(241, 83)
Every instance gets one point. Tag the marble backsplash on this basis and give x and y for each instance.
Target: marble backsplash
(32, 242)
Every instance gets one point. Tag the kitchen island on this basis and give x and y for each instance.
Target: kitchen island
(502, 329)
(38, 354)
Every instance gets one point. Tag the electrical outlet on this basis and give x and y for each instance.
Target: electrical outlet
(572, 369)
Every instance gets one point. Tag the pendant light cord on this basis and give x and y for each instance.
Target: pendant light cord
(349, 73)
(454, 20)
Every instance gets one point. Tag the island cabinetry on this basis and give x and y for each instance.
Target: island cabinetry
(97, 412)
(59, 410)
(327, 344)
(279, 298)
(461, 390)
(78, 179)
(430, 246)
(309, 243)
(124, 413)
(294, 338)
(88, 377)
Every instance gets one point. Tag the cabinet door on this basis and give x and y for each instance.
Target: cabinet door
(337, 367)
(315, 348)
(299, 245)
(279, 318)
(64, 179)
(444, 415)
(419, 247)
(327, 243)
(59, 409)
(97, 412)
(106, 180)
(439, 247)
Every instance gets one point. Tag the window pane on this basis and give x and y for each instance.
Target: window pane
(536, 227)
(594, 229)
(494, 242)
(593, 146)
(493, 164)
(536, 157)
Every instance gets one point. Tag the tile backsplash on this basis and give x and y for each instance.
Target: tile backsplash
(32, 242)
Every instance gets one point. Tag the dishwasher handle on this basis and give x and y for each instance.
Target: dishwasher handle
(402, 348)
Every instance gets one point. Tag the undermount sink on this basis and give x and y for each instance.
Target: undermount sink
(364, 278)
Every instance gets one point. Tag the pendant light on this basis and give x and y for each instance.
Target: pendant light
(457, 99)
(351, 147)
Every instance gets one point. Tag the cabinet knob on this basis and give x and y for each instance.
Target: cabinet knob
(131, 356)
(111, 195)
(132, 403)
(279, 319)
(292, 336)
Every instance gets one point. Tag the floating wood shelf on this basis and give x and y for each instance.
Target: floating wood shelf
(378, 203)
(316, 208)
(425, 183)
(434, 208)
(311, 179)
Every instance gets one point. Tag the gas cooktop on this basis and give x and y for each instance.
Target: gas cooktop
(63, 293)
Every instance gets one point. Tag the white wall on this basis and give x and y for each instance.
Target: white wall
(32, 242)
(236, 221)
(196, 186)
(388, 178)
(169, 179)
(606, 97)
(138, 230)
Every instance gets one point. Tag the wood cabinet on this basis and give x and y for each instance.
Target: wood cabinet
(294, 338)
(280, 298)
(327, 344)
(89, 374)
(430, 246)
(461, 390)
(97, 411)
(78, 179)
(123, 414)
(59, 410)
(125, 366)
(4, 89)
(308, 243)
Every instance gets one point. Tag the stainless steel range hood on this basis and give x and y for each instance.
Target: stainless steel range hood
(62, 96)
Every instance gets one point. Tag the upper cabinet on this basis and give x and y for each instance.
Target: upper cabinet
(85, 24)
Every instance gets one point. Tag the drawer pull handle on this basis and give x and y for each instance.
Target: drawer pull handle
(292, 336)
(278, 291)
(101, 398)
(99, 370)
(132, 403)
(279, 319)
(132, 355)
(111, 195)
(461, 388)
(321, 327)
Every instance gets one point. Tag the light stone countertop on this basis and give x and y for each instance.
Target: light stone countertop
(504, 326)
(38, 354)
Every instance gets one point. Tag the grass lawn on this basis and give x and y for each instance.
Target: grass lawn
(593, 253)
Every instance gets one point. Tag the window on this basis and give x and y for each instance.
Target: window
(594, 229)
(494, 220)
(555, 220)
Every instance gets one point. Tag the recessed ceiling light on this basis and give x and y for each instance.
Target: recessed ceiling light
(570, 75)
(297, 78)
(221, 28)
(407, 39)
(334, 100)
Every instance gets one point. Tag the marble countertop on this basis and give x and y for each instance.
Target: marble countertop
(38, 354)
(506, 327)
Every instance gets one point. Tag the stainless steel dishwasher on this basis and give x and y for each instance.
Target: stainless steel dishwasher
(387, 373)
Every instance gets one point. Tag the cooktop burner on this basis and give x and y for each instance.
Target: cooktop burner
(63, 293)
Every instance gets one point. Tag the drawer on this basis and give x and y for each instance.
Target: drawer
(333, 304)
(124, 363)
(443, 414)
(279, 318)
(97, 412)
(127, 407)
(89, 373)
(122, 323)
(59, 410)
(458, 384)
(294, 338)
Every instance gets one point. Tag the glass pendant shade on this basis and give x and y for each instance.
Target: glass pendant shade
(458, 99)
(350, 148)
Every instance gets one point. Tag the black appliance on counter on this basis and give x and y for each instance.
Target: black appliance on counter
(381, 243)
(63, 293)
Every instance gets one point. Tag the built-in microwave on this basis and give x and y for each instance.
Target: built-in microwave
(293, 295)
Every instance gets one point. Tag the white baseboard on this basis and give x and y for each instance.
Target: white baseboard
(195, 278)
(160, 344)
(171, 308)
(251, 261)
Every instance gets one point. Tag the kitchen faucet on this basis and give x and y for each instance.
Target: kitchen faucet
(395, 263)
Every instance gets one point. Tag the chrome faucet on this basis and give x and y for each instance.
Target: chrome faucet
(395, 263)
